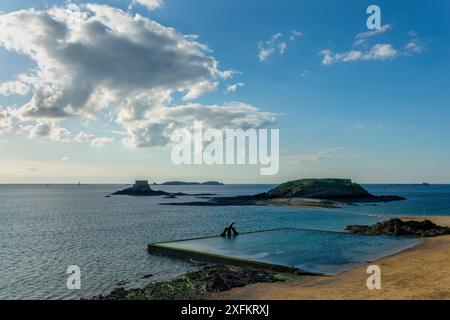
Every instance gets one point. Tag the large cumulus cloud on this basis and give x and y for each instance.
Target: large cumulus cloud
(93, 57)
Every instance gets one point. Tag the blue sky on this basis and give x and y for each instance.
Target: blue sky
(374, 116)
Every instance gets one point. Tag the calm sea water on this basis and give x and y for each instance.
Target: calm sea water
(44, 229)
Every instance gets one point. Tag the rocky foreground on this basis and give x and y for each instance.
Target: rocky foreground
(196, 285)
(398, 227)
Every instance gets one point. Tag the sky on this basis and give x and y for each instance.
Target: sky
(91, 91)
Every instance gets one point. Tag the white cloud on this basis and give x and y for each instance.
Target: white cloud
(84, 137)
(13, 87)
(150, 4)
(295, 35)
(235, 87)
(379, 51)
(6, 123)
(414, 47)
(158, 132)
(275, 44)
(363, 36)
(327, 154)
(101, 142)
(92, 57)
(50, 130)
(282, 47)
(92, 139)
(65, 158)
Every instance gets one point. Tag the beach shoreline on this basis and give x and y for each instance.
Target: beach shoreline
(419, 272)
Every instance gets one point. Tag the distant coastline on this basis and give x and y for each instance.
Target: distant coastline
(189, 183)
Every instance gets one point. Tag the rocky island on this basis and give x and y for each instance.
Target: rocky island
(141, 188)
(329, 193)
(398, 227)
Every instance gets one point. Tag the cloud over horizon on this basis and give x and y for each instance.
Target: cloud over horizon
(95, 57)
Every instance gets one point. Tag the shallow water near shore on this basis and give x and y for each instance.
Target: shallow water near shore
(45, 229)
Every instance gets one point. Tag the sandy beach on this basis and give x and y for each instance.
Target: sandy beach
(422, 272)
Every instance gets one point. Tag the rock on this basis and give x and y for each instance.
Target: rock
(195, 285)
(118, 294)
(141, 188)
(397, 227)
(137, 193)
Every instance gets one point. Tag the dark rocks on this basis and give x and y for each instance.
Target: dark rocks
(397, 227)
(118, 294)
(195, 285)
(223, 278)
(144, 190)
(140, 193)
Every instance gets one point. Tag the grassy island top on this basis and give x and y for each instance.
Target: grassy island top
(320, 189)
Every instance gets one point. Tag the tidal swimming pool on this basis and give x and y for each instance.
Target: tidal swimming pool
(308, 250)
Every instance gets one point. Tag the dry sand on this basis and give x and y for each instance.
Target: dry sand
(422, 272)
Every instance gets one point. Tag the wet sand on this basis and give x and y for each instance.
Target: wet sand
(422, 272)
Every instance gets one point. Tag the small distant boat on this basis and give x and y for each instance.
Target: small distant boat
(426, 184)
(108, 196)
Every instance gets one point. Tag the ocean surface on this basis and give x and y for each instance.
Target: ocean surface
(44, 229)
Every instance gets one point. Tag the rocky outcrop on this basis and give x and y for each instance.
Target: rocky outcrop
(141, 193)
(331, 193)
(398, 227)
(195, 285)
(343, 190)
(143, 189)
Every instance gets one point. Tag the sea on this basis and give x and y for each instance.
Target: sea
(44, 229)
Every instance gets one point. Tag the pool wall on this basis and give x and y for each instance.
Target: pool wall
(158, 249)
